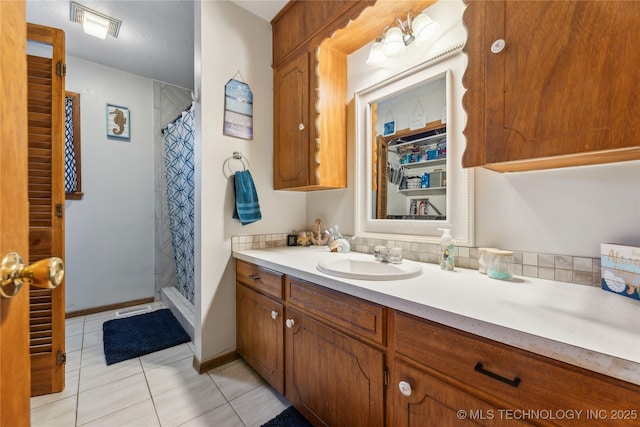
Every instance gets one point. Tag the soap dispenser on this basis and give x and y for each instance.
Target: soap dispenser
(446, 250)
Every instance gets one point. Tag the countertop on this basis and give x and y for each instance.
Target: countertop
(580, 325)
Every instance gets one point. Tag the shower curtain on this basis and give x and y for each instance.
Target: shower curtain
(178, 146)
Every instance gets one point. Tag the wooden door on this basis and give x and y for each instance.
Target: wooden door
(420, 400)
(561, 92)
(291, 127)
(260, 334)
(14, 215)
(332, 379)
(46, 205)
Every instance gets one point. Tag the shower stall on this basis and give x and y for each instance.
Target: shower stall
(174, 202)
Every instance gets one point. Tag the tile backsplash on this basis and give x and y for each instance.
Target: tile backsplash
(561, 268)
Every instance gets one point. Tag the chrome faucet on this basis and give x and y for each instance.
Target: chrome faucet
(388, 255)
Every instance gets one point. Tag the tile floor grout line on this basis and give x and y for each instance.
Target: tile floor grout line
(75, 423)
(153, 402)
(227, 399)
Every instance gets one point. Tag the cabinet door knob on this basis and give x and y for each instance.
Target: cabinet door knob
(498, 45)
(254, 277)
(290, 323)
(405, 388)
(301, 126)
(274, 315)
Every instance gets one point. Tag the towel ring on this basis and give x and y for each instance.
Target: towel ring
(227, 163)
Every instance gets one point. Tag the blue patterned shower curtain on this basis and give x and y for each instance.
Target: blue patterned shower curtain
(178, 146)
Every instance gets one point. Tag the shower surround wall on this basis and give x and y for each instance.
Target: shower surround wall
(168, 103)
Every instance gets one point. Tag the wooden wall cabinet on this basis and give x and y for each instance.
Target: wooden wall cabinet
(310, 83)
(309, 131)
(558, 93)
(301, 20)
(291, 128)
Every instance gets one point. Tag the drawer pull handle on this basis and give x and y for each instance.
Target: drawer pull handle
(274, 315)
(514, 382)
(254, 277)
(290, 323)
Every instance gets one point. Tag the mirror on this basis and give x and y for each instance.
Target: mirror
(409, 131)
(409, 153)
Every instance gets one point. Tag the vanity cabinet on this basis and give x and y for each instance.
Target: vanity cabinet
(345, 361)
(259, 321)
(419, 399)
(498, 381)
(334, 370)
(558, 93)
(332, 343)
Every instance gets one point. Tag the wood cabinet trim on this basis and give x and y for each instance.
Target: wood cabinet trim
(359, 318)
(268, 282)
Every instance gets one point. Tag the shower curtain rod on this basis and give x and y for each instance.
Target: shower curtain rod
(175, 120)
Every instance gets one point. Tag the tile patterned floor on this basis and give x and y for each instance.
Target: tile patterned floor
(158, 389)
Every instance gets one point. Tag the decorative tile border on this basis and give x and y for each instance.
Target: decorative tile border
(561, 268)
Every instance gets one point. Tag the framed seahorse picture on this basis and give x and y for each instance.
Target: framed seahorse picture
(118, 122)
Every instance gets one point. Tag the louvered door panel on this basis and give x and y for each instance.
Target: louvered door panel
(46, 190)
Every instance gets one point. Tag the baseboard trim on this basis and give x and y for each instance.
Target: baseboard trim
(210, 364)
(109, 307)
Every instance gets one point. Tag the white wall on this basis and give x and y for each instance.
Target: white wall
(230, 40)
(567, 211)
(109, 233)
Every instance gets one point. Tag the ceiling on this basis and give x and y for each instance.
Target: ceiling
(155, 39)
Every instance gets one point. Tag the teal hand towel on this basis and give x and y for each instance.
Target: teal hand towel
(247, 208)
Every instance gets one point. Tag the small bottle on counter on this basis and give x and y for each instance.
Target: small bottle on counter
(446, 250)
(501, 265)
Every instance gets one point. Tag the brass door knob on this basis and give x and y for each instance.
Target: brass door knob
(46, 274)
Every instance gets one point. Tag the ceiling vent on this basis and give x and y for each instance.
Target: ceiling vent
(78, 12)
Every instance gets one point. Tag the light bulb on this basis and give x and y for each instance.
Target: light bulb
(393, 42)
(424, 28)
(376, 56)
(95, 25)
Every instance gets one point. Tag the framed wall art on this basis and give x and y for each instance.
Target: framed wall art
(118, 122)
(238, 109)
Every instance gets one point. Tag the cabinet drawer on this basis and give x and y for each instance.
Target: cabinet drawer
(508, 376)
(259, 278)
(352, 314)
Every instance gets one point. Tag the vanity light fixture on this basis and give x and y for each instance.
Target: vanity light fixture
(395, 39)
(376, 56)
(94, 23)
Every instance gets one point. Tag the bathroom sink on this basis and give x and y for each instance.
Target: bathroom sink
(369, 269)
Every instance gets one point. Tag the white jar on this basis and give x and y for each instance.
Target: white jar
(501, 265)
(484, 258)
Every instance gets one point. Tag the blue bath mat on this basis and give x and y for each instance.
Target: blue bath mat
(290, 417)
(135, 336)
